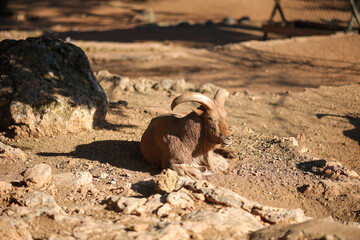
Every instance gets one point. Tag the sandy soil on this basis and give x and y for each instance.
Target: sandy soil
(305, 88)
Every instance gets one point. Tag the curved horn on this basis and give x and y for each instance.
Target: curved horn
(205, 101)
(220, 96)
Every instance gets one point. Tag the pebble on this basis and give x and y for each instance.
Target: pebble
(38, 175)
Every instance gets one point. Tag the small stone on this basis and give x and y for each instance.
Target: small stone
(12, 230)
(244, 19)
(353, 174)
(126, 205)
(73, 181)
(83, 178)
(154, 202)
(279, 215)
(209, 23)
(5, 187)
(180, 199)
(140, 85)
(139, 227)
(235, 222)
(302, 150)
(146, 15)
(166, 181)
(289, 142)
(38, 176)
(164, 210)
(81, 211)
(199, 196)
(103, 175)
(172, 231)
(9, 154)
(184, 24)
(229, 21)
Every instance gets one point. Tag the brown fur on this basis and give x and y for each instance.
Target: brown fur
(186, 143)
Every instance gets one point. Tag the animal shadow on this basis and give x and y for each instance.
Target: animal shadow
(352, 133)
(121, 154)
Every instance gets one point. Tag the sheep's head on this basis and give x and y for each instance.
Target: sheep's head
(213, 113)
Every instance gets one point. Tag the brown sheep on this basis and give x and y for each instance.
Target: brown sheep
(186, 143)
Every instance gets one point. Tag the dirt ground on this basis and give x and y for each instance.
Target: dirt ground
(306, 87)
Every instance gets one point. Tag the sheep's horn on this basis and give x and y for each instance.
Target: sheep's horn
(220, 96)
(205, 101)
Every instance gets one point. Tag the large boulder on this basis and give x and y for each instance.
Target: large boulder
(47, 87)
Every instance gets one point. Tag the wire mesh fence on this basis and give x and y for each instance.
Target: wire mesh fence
(335, 13)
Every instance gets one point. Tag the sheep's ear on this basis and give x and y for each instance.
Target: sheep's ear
(197, 111)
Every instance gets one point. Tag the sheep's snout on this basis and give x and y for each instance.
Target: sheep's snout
(226, 140)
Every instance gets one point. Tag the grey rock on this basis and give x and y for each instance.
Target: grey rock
(38, 176)
(47, 87)
(9, 154)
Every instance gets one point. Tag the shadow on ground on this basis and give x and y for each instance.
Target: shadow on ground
(312, 166)
(198, 35)
(354, 133)
(121, 154)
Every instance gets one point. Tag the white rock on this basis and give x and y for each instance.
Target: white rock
(38, 175)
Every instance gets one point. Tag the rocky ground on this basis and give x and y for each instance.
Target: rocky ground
(293, 108)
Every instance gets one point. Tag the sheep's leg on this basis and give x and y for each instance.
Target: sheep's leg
(217, 163)
(186, 170)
